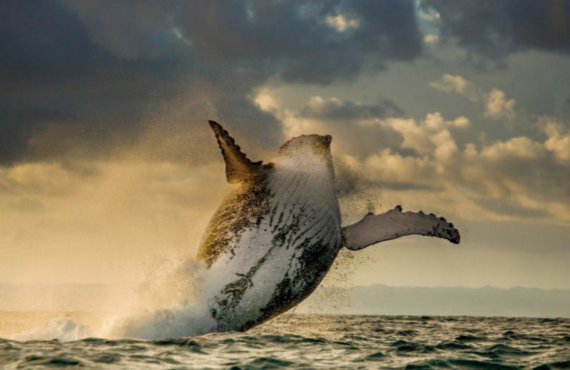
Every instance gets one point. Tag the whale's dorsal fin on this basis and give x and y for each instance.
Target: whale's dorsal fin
(238, 167)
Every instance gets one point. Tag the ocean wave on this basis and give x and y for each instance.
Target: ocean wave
(319, 341)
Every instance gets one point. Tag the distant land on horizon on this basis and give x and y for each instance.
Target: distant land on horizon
(485, 301)
(359, 300)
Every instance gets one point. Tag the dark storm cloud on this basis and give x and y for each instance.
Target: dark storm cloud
(42, 40)
(294, 40)
(336, 109)
(495, 28)
(82, 78)
(55, 81)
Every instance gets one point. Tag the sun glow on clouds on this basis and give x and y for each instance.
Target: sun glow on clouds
(341, 23)
(430, 135)
(450, 83)
(430, 39)
(497, 106)
(558, 140)
(266, 102)
(428, 156)
(105, 224)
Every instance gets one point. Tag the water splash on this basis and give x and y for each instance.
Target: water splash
(60, 328)
(172, 301)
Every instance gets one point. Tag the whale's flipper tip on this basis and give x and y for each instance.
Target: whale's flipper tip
(238, 167)
(453, 236)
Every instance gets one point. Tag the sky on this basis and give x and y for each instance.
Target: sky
(109, 170)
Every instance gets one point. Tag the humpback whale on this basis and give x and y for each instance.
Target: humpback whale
(273, 239)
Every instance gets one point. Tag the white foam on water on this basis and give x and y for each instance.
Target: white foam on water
(60, 328)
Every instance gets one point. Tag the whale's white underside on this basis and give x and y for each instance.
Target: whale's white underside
(303, 206)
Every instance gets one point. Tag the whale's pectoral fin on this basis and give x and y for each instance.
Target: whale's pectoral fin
(238, 167)
(393, 224)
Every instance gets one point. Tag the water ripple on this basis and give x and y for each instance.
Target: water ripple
(323, 341)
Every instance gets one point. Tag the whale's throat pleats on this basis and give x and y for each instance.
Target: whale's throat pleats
(273, 240)
(277, 208)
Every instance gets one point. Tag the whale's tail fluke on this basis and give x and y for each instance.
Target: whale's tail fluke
(393, 224)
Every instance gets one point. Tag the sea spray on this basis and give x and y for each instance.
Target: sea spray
(60, 328)
(171, 301)
(170, 304)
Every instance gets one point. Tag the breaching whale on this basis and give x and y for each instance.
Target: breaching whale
(273, 239)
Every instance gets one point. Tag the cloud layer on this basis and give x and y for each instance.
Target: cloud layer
(106, 160)
(516, 178)
(493, 29)
(86, 78)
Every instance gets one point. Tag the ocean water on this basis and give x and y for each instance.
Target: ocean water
(315, 341)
